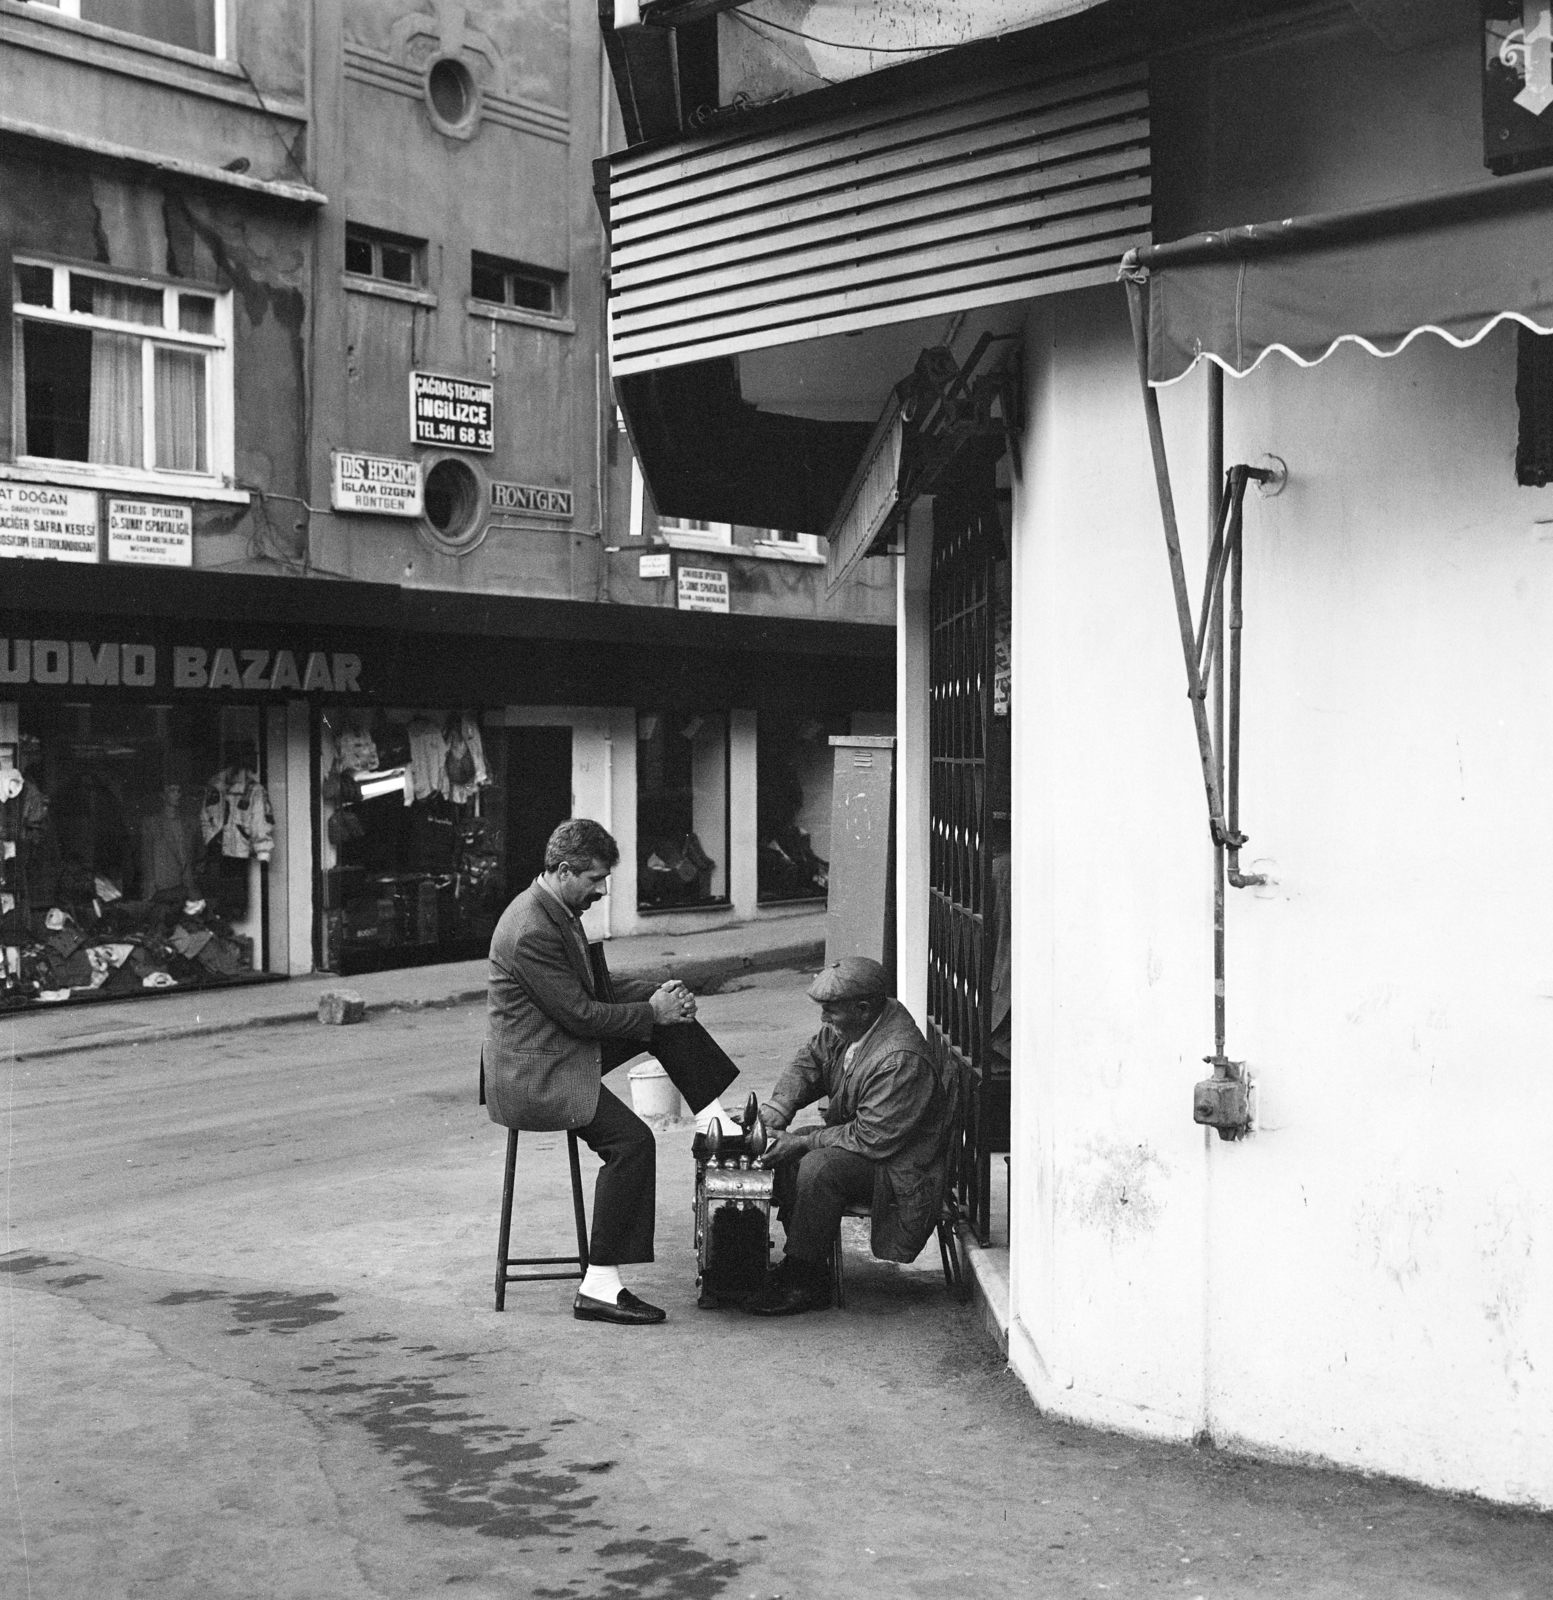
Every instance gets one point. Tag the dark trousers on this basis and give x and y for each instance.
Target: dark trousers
(813, 1191)
(625, 1196)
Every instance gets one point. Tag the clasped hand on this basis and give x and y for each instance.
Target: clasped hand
(672, 1002)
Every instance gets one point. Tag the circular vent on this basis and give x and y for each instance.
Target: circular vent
(452, 97)
(454, 506)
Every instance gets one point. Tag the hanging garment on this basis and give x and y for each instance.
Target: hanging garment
(357, 752)
(428, 759)
(465, 762)
(166, 855)
(237, 810)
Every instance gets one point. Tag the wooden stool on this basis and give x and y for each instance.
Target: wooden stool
(579, 1262)
(956, 1280)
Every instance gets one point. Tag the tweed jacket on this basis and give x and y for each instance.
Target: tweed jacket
(895, 1106)
(544, 1026)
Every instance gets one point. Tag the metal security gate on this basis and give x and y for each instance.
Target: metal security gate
(967, 543)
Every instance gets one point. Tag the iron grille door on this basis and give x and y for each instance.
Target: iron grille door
(967, 539)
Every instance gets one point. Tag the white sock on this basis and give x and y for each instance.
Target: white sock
(601, 1283)
(706, 1113)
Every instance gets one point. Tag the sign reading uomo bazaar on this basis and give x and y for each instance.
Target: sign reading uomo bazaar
(458, 413)
(88, 663)
(41, 523)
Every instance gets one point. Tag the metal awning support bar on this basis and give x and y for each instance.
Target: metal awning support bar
(1191, 650)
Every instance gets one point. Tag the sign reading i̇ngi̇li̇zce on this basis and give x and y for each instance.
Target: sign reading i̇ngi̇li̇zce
(384, 485)
(150, 533)
(42, 523)
(457, 413)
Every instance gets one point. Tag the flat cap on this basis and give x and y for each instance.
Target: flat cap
(851, 978)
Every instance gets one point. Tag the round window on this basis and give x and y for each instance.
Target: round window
(453, 505)
(452, 96)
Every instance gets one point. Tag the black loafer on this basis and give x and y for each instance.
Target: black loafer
(626, 1309)
(790, 1300)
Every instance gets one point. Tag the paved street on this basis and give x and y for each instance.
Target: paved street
(251, 1354)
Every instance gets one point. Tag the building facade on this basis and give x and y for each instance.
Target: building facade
(1228, 972)
(324, 587)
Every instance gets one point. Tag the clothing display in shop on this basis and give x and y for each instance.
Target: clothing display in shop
(411, 863)
(447, 759)
(675, 870)
(237, 812)
(121, 948)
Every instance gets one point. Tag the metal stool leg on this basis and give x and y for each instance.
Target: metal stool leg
(838, 1272)
(504, 1262)
(581, 1216)
(504, 1232)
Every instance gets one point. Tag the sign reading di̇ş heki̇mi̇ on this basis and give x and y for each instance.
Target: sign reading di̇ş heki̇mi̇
(703, 589)
(384, 485)
(41, 523)
(531, 498)
(456, 412)
(149, 533)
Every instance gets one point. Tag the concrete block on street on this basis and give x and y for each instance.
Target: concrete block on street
(341, 1006)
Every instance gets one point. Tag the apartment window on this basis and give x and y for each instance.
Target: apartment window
(388, 256)
(120, 372)
(197, 25)
(801, 543)
(704, 532)
(510, 283)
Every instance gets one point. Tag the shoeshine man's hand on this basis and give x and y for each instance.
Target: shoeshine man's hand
(672, 1002)
(783, 1148)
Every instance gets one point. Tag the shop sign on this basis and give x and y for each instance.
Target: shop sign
(150, 533)
(655, 566)
(532, 499)
(703, 589)
(41, 523)
(456, 412)
(85, 663)
(382, 485)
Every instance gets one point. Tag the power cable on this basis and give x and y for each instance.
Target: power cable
(835, 44)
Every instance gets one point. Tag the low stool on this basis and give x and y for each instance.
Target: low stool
(956, 1279)
(577, 1265)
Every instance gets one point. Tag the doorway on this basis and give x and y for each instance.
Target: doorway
(539, 798)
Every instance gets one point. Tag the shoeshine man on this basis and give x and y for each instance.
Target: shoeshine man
(543, 1054)
(884, 1141)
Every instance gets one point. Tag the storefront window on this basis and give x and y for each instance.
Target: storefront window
(793, 776)
(681, 809)
(134, 849)
(413, 837)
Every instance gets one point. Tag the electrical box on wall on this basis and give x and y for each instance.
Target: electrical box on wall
(1517, 84)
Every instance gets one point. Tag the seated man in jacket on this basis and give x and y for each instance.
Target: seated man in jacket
(541, 1065)
(884, 1141)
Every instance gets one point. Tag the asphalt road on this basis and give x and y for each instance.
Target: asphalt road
(249, 1352)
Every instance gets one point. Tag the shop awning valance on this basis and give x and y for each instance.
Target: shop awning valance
(1452, 264)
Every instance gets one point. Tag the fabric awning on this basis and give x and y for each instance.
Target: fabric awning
(1453, 264)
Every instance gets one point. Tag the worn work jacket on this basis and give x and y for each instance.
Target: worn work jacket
(894, 1106)
(545, 1026)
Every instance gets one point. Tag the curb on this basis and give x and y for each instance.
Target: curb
(705, 974)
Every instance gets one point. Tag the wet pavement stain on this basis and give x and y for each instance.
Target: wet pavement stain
(280, 1310)
(20, 1264)
(494, 1479)
(666, 1567)
(75, 1280)
(471, 1475)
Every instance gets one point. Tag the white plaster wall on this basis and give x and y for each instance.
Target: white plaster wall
(1369, 1277)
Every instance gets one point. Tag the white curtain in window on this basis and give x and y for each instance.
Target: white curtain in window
(115, 424)
(180, 410)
